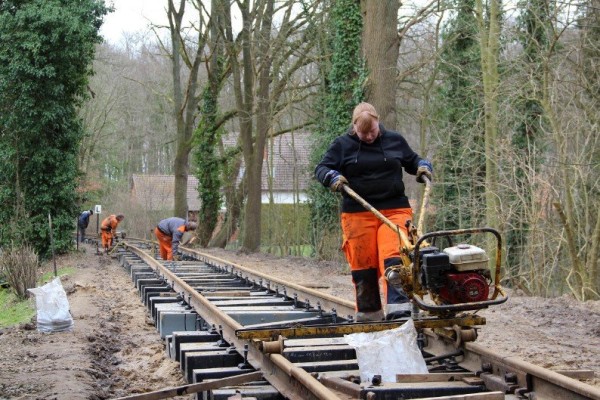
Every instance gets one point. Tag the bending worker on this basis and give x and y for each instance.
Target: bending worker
(370, 159)
(108, 227)
(82, 223)
(169, 233)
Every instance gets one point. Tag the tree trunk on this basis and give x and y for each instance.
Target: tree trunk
(208, 134)
(489, 39)
(185, 108)
(380, 48)
(252, 214)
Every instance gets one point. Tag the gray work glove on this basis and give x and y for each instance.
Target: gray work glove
(424, 168)
(336, 180)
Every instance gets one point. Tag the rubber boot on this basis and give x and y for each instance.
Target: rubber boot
(397, 311)
(366, 283)
(368, 316)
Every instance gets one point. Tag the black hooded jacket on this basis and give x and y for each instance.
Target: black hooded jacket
(374, 171)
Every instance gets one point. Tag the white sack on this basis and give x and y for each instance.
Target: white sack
(388, 353)
(52, 306)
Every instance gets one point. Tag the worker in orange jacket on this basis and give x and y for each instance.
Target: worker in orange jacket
(108, 229)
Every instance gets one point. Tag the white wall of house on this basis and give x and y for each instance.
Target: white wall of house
(284, 198)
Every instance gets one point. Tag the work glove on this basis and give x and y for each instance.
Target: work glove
(424, 168)
(336, 180)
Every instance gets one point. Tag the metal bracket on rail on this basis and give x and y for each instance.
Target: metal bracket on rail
(348, 328)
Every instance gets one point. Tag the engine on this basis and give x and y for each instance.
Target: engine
(458, 274)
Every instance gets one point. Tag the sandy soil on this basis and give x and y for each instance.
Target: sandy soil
(114, 350)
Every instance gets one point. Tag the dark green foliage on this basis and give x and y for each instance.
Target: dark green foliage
(341, 91)
(46, 49)
(459, 161)
(206, 137)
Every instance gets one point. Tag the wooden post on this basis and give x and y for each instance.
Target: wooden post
(52, 244)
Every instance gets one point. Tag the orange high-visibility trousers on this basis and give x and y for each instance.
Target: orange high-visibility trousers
(367, 244)
(107, 238)
(164, 242)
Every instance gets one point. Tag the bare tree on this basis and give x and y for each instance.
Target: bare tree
(263, 63)
(489, 34)
(185, 94)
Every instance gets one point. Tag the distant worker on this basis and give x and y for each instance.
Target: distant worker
(108, 227)
(370, 159)
(82, 223)
(169, 233)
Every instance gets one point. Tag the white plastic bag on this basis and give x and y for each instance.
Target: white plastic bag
(388, 353)
(52, 307)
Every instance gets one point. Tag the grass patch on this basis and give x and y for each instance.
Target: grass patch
(48, 276)
(14, 311)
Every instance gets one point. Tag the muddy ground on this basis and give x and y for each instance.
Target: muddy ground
(115, 351)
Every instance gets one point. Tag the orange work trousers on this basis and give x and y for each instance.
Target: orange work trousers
(367, 244)
(164, 242)
(107, 239)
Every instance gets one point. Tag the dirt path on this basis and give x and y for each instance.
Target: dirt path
(114, 351)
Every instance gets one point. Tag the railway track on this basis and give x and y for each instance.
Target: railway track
(237, 332)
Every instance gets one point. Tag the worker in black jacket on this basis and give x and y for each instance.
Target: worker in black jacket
(370, 159)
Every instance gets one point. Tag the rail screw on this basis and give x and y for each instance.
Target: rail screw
(451, 364)
(221, 342)
(487, 367)
(376, 380)
(334, 315)
(421, 340)
(510, 377)
(245, 365)
(295, 300)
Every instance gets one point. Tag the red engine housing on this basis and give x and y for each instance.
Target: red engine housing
(464, 287)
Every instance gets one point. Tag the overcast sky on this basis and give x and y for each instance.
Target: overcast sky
(132, 16)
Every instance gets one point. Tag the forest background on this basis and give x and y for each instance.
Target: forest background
(502, 97)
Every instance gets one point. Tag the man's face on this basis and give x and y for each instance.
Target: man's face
(369, 135)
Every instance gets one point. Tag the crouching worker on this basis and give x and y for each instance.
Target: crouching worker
(169, 233)
(108, 229)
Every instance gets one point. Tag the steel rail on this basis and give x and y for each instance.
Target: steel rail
(546, 384)
(502, 373)
(341, 306)
(289, 380)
